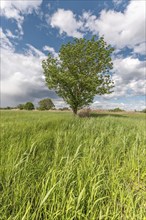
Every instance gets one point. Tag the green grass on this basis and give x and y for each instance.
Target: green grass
(57, 167)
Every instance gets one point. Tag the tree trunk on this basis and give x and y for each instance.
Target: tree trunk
(75, 110)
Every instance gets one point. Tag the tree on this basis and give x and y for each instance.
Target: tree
(46, 104)
(21, 106)
(116, 110)
(29, 106)
(81, 72)
(144, 110)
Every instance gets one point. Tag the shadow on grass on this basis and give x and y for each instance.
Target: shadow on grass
(98, 115)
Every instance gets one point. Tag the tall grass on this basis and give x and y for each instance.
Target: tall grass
(57, 167)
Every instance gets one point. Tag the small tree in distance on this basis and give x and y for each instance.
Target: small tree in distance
(46, 104)
(81, 72)
(116, 110)
(29, 106)
(144, 110)
(21, 106)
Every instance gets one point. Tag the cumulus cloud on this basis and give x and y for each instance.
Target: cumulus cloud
(32, 51)
(66, 22)
(22, 78)
(128, 105)
(5, 42)
(50, 50)
(120, 29)
(17, 9)
(9, 34)
(117, 2)
(140, 49)
(129, 77)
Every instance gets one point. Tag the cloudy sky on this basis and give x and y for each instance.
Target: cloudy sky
(32, 29)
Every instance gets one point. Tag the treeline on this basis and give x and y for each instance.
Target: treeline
(44, 104)
(47, 104)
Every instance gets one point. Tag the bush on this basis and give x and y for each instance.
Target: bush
(116, 110)
(64, 109)
(46, 104)
(84, 113)
(21, 106)
(29, 106)
(144, 110)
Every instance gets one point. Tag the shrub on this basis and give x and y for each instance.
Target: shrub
(29, 106)
(64, 109)
(116, 110)
(46, 104)
(144, 110)
(21, 106)
(84, 113)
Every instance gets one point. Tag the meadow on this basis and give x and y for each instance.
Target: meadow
(54, 166)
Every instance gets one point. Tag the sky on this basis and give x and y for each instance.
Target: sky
(29, 30)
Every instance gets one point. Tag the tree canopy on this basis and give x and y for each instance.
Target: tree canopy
(29, 106)
(46, 104)
(21, 106)
(80, 72)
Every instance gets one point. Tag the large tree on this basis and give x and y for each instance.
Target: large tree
(80, 72)
(46, 104)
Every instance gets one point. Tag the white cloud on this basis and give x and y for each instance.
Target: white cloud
(50, 50)
(26, 6)
(129, 104)
(22, 76)
(129, 77)
(10, 34)
(60, 103)
(5, 42)
(140, 49)
(129, 68)
(117, 2)
(17, 9)
(22, 79)
(32, 51)
(120, 29)
(66, 22)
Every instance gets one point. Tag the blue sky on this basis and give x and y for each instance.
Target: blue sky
(31, 29)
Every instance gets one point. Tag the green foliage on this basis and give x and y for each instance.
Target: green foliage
(46, 104)
(29, 106)
(21, 106)
(144, 110)
(81, 72)
(7, 108)
(64, 109)
(116, 110)
(57, 167)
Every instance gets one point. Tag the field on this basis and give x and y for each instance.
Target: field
(55, 166)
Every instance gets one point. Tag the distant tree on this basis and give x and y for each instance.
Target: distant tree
(46, 104)
(81, 72)
(29, 106)
(64, 109)
(144, 110)
(21, 106)
(116, 110)
(8, 108)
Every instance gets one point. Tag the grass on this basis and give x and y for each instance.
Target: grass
(57, 167)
